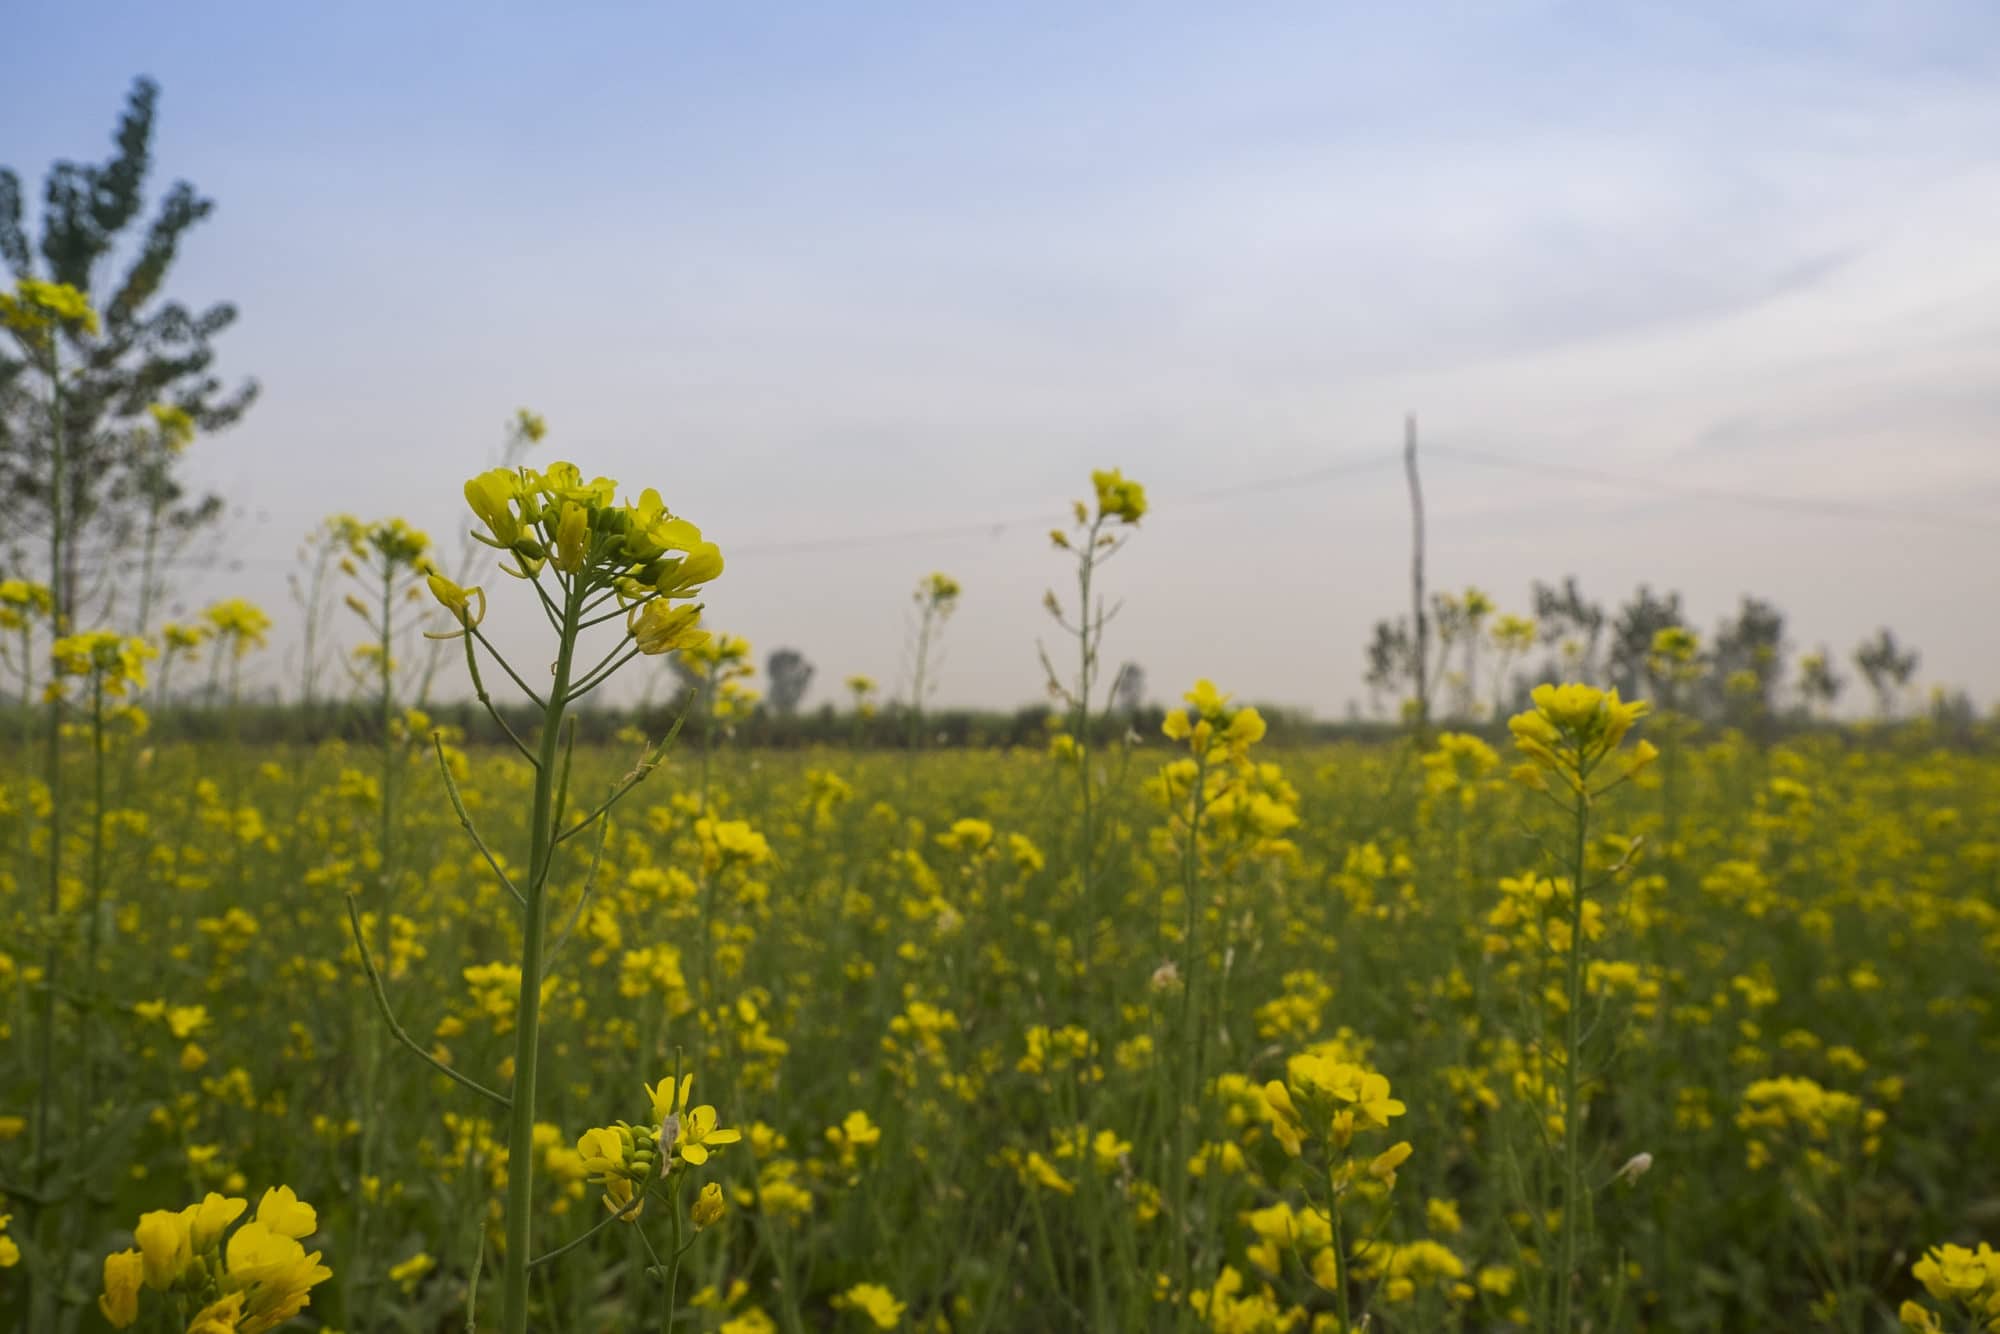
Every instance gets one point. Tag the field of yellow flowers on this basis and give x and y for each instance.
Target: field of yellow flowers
(971, 1098)
(1597, 1022)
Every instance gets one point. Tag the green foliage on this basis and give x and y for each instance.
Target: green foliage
(149, 350)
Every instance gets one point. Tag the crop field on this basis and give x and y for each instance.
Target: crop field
(1602, 1020)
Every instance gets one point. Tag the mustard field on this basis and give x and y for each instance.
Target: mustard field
(1311, 1058)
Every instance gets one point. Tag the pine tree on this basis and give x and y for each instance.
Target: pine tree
(122, 492)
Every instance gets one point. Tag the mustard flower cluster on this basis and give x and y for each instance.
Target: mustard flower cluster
(239, 625)
(1210, 728)
(1327, 1100)
(1571, 735)
(23, 602)
(938, 592)
(1966, 1280)
(722, 663)
(1118, 498)
(35, 308)
(624, 1158)
(213, 1280)
(113, 662)
(639, 552)
(174, 425)
(1793, 1110)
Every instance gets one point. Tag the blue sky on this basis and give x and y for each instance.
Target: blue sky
(839, 271)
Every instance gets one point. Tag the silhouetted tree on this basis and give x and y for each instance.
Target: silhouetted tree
(1953, 710)
(1629, 661)
(1128, 689)
(1747, 661)
(1573, 624)
(1887, 668)
(1388, 662)
(147, 351)
(1819, 686)
(790, 676)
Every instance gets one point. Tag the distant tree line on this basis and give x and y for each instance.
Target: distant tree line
(1481, 663)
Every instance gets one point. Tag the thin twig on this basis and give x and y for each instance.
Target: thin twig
(507, 667)
(549, 608)
(472, 1285)
(597, 670)
(589, 883)
(464, 819)
(580, 691)
(396, 1029)
(638, 775)
(479, 689)
(541, 875)
(631, 1206)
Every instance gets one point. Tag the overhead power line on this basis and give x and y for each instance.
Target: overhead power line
(1355, 464)
(1168, 503)
(1823, 508)
(1056, 513)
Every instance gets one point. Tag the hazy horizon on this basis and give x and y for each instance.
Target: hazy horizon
(869, 294)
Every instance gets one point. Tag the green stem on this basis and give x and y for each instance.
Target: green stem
(1339, 1253)
(674, 1265)
(631, 1206)
(1085, 658)
(396, 1029)
(708, 875)
(385, 819)
(1572, 1040)
(1190, 879)
(95, 927)
(385, 936)
(528, 1013)
(52, 770)
(1185, 1084)
(147, 557)
(917, 696)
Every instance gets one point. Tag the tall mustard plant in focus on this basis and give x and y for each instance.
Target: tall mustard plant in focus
(628, 571)
(1572, 741)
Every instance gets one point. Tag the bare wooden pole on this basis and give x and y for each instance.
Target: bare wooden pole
(1420, 646)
